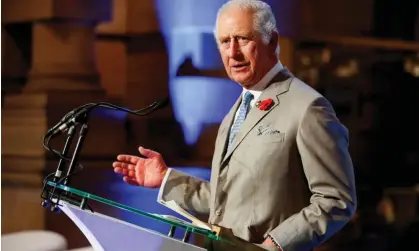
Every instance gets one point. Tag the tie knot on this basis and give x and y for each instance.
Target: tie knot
(247, 98)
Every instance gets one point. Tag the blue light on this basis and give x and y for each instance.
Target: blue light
(200, 101)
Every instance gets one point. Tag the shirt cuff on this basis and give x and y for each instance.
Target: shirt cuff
(275, 242)
(161, 191)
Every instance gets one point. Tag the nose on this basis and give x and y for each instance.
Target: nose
(233, 49)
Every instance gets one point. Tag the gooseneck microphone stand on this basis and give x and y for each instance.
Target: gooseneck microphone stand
(78, 117)
(67, 144)
(82, 135)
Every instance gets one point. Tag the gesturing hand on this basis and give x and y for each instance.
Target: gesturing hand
(148, 172)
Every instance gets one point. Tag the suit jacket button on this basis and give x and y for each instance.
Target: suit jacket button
(219, 212)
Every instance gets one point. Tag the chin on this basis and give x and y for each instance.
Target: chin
(240, 77)
(245, 82)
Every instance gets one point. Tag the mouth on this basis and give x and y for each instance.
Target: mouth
(240, 66)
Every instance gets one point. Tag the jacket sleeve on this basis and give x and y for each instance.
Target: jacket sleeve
(322, 143)
(191, 193)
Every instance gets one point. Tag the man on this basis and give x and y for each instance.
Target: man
(281, 173)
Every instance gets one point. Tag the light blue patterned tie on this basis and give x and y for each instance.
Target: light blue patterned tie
(241, 116)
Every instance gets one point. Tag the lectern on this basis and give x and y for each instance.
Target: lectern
(108, 233)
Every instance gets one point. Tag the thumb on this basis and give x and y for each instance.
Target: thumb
(147, 152)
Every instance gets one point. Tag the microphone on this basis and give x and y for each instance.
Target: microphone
(162, 103)
(72, 118)
(79, 114)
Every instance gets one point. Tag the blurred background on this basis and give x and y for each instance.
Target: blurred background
(363, 55)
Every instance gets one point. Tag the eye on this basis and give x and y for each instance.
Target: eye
(243, 40)
(225, 41)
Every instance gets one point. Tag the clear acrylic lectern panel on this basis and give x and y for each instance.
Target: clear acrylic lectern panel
(106, 233)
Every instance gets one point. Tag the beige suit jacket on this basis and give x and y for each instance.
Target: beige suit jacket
(288, 173)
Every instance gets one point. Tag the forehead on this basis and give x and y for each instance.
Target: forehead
(234, 22)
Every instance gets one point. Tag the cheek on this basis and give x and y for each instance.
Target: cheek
(252, 56)
(224, 58)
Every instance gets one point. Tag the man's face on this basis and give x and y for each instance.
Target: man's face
(245, 57)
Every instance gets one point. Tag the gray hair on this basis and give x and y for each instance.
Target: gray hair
(264, 19)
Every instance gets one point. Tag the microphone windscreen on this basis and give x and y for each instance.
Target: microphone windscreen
(163, 103)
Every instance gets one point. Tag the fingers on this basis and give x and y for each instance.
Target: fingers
(147, 152)
(124, 171)
(123, 165)
(128, 158)
(130, 181)
(124, 168)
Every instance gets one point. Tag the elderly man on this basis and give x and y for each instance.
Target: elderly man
(281, 172)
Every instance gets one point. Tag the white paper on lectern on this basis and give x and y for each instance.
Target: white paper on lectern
(106, 233)
(178, 209)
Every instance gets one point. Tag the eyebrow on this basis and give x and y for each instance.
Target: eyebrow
(248, 35)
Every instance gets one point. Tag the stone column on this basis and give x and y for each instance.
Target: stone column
(62, 76)
(63, 57)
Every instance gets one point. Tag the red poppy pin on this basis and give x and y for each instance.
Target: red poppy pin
(265, 104)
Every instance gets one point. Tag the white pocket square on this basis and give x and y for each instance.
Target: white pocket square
(266, 130)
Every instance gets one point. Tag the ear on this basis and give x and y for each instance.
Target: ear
(273, 43)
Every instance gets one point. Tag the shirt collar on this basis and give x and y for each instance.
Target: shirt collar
(258, 88)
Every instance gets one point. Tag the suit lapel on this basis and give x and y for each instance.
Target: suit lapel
(278, 85)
